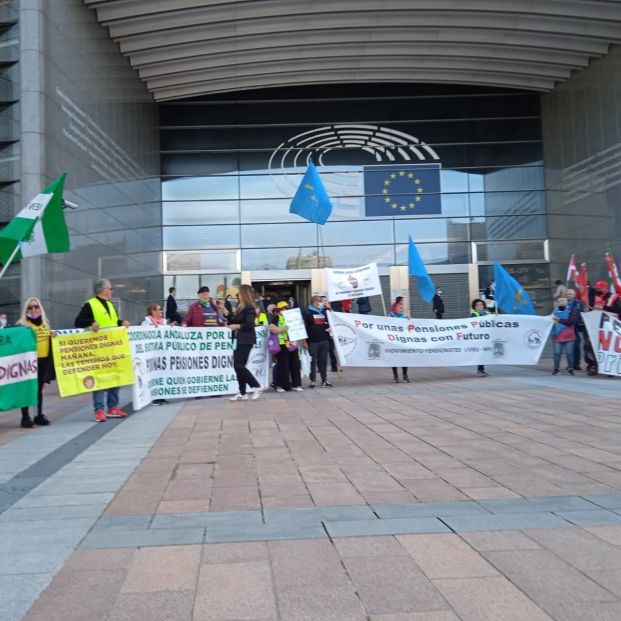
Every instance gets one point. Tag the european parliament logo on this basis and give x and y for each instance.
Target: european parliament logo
(402, 190)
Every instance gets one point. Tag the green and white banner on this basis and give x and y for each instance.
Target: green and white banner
(18, 368)
(179, 363)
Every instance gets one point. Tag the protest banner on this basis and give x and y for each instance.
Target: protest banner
(294, 321)
(92, 361)
(176, 363)
(350, 284)
(373, 341)
(18, 368)
(604, 330)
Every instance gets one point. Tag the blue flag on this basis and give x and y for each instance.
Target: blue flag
(311, 200)
(402, 190)
(510, 295)
(419, 271)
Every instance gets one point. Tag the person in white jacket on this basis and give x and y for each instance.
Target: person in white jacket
(154, 319)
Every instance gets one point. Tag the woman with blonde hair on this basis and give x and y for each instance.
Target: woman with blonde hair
(242, 323)
(33, 316)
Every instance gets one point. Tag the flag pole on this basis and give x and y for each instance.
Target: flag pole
(10, 259)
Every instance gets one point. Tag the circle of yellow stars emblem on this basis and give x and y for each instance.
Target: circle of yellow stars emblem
(399, 202)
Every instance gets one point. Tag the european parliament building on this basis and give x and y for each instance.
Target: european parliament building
(487, 130)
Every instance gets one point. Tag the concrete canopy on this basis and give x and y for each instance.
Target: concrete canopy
(185, 48)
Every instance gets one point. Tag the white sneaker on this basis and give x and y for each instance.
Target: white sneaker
(239, 398)
(298, 389)
(279, 389)
(256, 393)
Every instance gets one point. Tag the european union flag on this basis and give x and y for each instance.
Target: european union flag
(419, 271)
(402, 190)
(510, 295)
(311, 200)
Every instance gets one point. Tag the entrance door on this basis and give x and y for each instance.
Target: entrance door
(278, 290)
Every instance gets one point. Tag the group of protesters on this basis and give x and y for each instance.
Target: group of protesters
(98, 312)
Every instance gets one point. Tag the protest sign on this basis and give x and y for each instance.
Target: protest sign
(92, 361)
(350, 284)
(294, 321)
(372, 341)
(604, 331)
(18, 368)
(175, 363)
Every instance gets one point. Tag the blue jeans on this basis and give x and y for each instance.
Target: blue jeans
(98, 398)
(568, 348)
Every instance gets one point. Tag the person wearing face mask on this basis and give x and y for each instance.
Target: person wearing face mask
(398, 310)
(563, 336)
(204, 313)
(3, 321)
(33, 317)
(287, 372)
(478, 310)
(97, 313)
(318, 342)
(438, 304)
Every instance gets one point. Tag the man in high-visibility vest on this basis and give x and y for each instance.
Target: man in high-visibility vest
(99, 312)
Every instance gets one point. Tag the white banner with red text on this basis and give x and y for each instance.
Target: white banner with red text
(178, 363)
(604, 330)
(373, 341)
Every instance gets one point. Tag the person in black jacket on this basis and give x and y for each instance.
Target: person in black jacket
(318, 340)
(171, 307)
(243, 324)
(438, 304)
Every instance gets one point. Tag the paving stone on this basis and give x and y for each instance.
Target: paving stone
(547, 579)
(163, 569)
(443, 615)
(538, 505)
(115, 538)
(580, 548)
(446, 556)
(63, 500)
(507, 521)
(226, 553)
(20, 587)
(499, 540)
(14, 610)
(429, 509)
(86, 560)
(235, 591)
(611, 501)
(351, 547)
(395, 526)
(489, 599)
(318, 514)
(231, 519)
(611, 534)
(596, 517)
(160, 606)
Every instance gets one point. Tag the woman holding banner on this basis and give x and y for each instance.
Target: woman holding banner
(33, 316)
(242, 322)
(287, 372)
(397, 310)
(478, 310)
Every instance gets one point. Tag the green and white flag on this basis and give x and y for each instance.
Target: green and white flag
(18, 368)
(39, 228)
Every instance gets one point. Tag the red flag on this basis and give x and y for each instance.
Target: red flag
(572, 269)
(582, 285)
(613, 272)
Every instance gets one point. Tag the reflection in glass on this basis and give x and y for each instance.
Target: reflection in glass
(221, 260)
(359, 232)
(282, 259)
(432, 229)
(510, 251)
(453, 253)
(352, 256)
(198, 237)
(200, 212)
(200, 188)
(270, 235)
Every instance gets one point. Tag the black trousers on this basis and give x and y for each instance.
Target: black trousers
(40, 385)
(439, 315)
(319, 359)
(333, 361)
(244, 376)
(396, 373)
(287, 372)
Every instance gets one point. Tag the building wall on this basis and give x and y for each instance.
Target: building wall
(231, 165)
(85, 112)
(582, 155)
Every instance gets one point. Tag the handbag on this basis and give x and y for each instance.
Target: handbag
(273, 346)
(292, 345)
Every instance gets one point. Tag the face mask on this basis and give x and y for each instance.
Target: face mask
(562, 307)
(33, 314)
(3, 322)
(439, 292)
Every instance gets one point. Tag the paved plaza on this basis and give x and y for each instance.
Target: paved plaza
(450, 498)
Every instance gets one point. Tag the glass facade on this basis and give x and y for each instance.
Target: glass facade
(231, 166)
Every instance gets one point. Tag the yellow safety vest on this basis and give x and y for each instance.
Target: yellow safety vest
(104, 319)
(261, 320)
(43, 334)
(283, 337)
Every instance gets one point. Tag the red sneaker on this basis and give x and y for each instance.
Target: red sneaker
(116, 412)
(100, 416)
